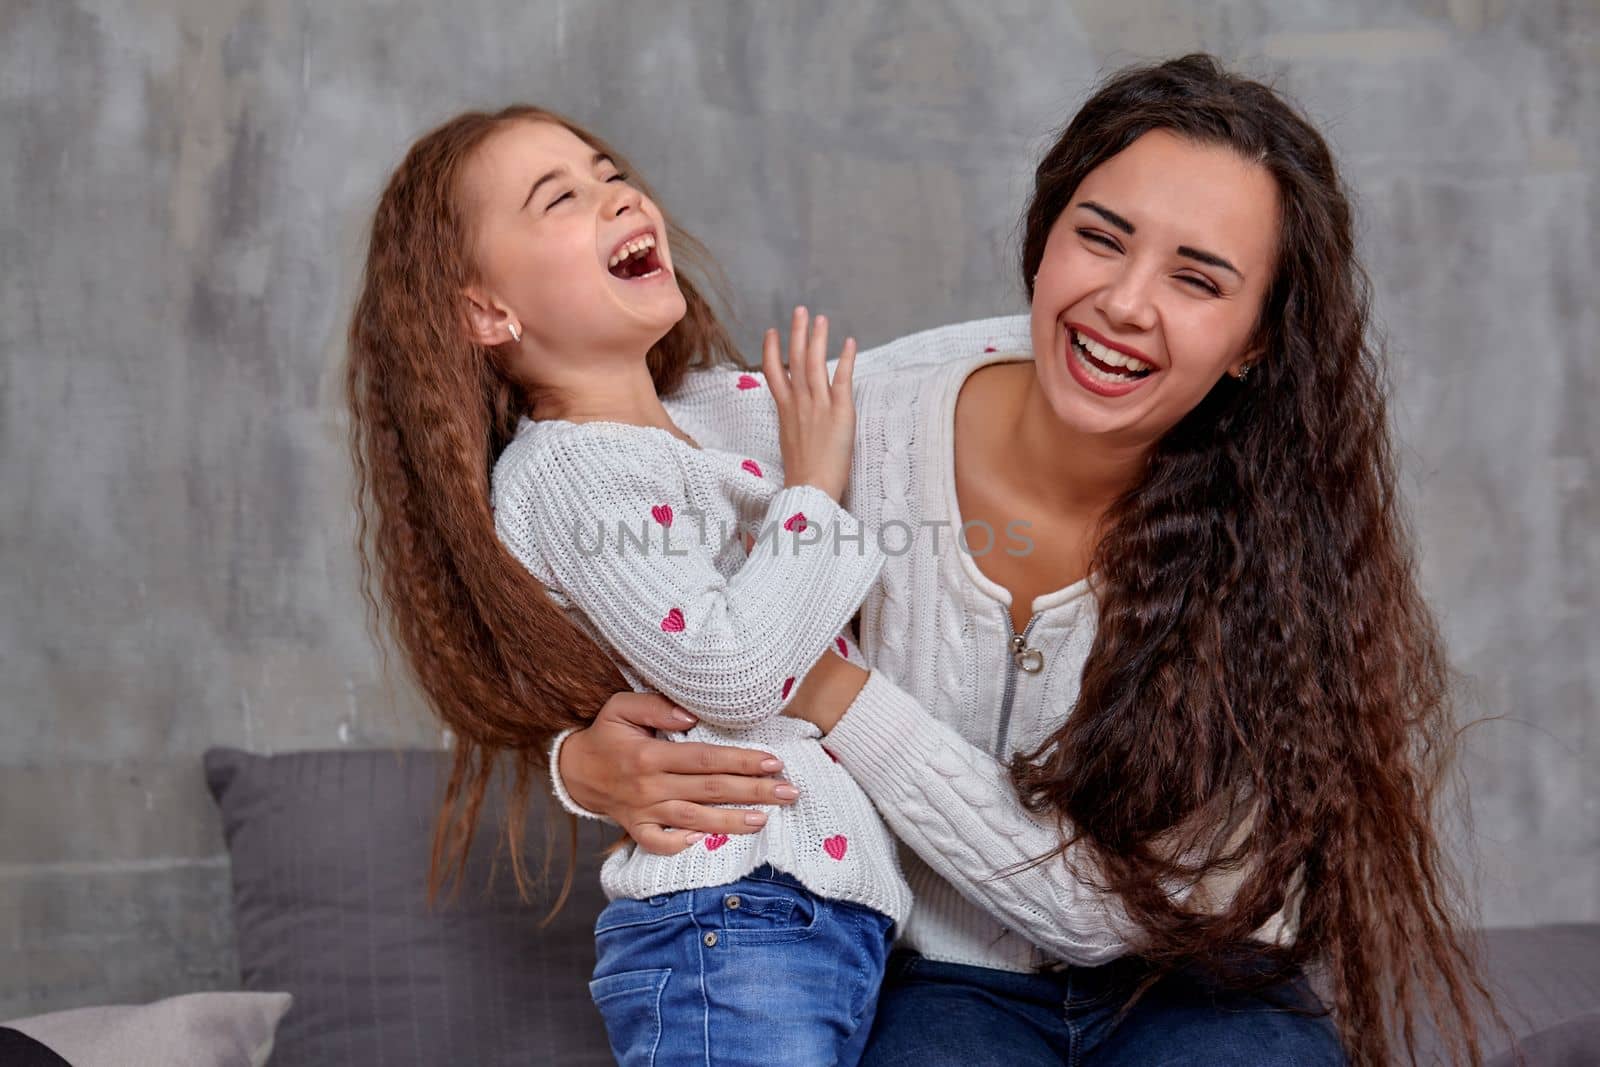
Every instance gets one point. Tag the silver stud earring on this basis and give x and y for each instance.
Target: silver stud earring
(516, 334)
(1244, 372)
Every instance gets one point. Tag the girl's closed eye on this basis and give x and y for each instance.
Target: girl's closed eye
(620, 176)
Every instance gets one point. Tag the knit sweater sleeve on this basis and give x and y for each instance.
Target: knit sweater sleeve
(597, 516)
(954, 806)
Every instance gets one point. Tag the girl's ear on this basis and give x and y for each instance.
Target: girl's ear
(489, 322)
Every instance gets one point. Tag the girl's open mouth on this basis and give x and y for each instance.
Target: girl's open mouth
(636, 259)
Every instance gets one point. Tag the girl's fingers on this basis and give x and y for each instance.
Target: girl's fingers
(797, 347)
(817, 359)
(772, 367)
(844, 372)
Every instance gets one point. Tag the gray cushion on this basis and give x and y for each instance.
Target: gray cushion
(330, 852)
(195, 1030)
(1546, 980)
(1574, 1043)
(330, 855)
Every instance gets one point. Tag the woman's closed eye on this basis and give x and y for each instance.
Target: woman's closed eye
(1195, 281)
(1202, 284)
(1100, 239)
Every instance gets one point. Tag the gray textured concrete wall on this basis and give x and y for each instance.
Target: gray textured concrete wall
(183, 190)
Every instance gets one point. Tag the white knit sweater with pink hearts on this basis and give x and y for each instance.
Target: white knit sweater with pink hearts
(638, 535)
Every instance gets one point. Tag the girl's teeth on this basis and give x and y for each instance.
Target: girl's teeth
(633, 248)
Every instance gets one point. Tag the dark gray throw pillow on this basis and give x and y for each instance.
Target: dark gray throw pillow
(330, 859)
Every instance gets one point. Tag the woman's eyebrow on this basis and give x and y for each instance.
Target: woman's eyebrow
(1110, 216)
(556, 172)
(1208, 258)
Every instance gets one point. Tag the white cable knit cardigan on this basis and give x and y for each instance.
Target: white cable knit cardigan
(949, 692)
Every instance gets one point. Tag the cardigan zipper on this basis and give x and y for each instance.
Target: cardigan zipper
(1020, 658)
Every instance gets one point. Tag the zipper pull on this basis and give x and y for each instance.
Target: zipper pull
(1030, 660)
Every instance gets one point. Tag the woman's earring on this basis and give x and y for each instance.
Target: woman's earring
(1244, 372)
(516, 334)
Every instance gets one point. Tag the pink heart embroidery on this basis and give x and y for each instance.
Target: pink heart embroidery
(662, 513)
(715, 841)
(673, 623)
(990, 348)
(747, 382)
(844, 650)
(794, 522)
(788, 684)
(752, 466)
(835, 846)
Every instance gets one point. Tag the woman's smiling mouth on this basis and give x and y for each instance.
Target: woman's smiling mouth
(1101, 369)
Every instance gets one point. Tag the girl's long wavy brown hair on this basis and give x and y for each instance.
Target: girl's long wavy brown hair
(1264, 657)
(431, 410)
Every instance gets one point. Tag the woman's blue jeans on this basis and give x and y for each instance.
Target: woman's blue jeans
(756, 972)
(934, 1014)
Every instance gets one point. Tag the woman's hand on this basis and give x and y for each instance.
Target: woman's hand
(827, 692)
(617, 767)
(816, 418)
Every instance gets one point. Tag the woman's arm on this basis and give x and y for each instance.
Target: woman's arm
(954, 806)
(662, 792)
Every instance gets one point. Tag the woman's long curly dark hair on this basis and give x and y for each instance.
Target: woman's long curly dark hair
(501, 665)
(1263, 653)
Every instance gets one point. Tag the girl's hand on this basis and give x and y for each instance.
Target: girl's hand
(617, 767)
(816, 418)
(828, 691)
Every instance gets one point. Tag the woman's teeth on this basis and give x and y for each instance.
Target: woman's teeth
(1106, 364)
(637, 246)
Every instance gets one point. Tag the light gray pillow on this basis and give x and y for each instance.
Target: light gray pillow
(194, 1030)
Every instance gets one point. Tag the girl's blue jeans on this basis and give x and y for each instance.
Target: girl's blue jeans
(933, 1014)
(758, 971)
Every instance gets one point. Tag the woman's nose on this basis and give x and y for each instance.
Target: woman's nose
(1126, 301)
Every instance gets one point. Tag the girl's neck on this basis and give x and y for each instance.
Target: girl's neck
(600, 396)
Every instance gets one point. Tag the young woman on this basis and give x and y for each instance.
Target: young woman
(1187, 743)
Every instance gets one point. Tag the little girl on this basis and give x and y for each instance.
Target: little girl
(740, 947)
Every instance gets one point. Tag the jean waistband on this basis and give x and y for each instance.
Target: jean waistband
(1080, 984)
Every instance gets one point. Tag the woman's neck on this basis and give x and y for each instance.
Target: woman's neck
(1066, 472)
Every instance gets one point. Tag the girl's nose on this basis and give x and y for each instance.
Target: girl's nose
(625, 199)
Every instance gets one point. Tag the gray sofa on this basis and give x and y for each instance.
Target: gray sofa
(329, 851)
